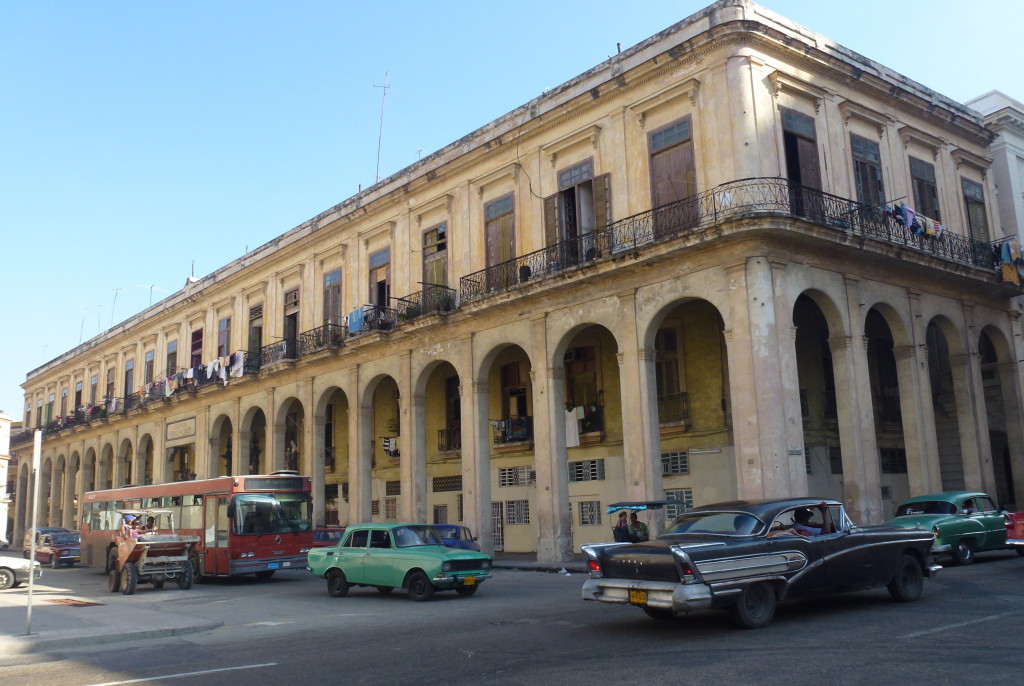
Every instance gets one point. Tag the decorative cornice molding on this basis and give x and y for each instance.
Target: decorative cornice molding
(688, 89)
(590, 134)
(782, 82)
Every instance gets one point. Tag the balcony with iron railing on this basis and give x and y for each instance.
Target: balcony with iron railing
(326, 337)
(674, 408)
(372, 318)
(449, 440)
(284, 350)
(729, 201)
(512, 430)
(433, 298)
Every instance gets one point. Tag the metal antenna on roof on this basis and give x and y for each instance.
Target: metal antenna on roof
(380, 131)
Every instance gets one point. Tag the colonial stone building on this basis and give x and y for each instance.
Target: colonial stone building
(736, 260)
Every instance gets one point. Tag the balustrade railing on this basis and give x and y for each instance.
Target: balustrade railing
(673, 408)
(433, 298)
(733, 200)
(449, 439)
(322, 338)
(372, 318)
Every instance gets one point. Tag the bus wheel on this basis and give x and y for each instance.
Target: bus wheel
(129, 578)
(186, 578)
(114, 581)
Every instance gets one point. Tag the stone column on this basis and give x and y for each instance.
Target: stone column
(640, 429)
(241, 456)
(476, 447)
(56, 492)
(317, 468)
(789, 378)
(68, 512)
(930, 466)
(973, 425)
(554, 535)
(1009, 374)
(759, 433)
(922, 464)
(360, 452)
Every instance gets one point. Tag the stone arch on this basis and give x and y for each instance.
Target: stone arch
(330, 463)
(253, 443)
(221, 448)
(145, 460)
(289, 432)
(1001, 397)
(125, 470)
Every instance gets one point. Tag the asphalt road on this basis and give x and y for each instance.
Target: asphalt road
(528, 627)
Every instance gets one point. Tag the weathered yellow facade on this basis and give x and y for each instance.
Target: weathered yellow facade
(668, 277)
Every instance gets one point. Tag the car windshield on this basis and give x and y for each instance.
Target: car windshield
(269, 513)
(64, 539)
(727, 523)
(926, 507)
(411, 536)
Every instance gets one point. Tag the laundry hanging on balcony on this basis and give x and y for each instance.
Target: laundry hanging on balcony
(1012, 261)
(908, 218)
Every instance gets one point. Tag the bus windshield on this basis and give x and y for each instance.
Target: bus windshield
(268, 513)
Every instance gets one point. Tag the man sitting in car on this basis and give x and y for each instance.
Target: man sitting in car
(802, 523)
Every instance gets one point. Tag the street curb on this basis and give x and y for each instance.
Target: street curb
(11, 646)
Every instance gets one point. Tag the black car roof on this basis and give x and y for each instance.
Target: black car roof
(764, 509)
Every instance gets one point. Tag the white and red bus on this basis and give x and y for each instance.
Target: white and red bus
(245, 524)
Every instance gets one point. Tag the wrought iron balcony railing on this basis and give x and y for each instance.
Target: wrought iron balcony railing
(433, 298)
(512, 429)
(372, 318)
(733, 200)
(324, 337)
(449, 439)
(253, 362)
(673, 408)
(287, 349)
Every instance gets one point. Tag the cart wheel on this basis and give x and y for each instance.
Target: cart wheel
(129, 578)
(111, 560)
(114, 581)
(186, 577)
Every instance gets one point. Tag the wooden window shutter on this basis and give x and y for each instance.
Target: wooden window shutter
(602, 201)
(810, 169)
(551, 219)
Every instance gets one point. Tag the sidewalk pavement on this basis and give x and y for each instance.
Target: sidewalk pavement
(61, 620)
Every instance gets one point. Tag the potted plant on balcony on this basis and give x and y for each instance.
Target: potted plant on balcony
(411, 312)
(445, 302)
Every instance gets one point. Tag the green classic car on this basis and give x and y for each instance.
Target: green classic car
(390, 556)
(963, 522)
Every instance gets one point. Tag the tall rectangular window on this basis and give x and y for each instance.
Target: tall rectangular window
(110, 383)
(172, 358)
(580, 207)
(332, 297)
(800, 142)
(149, 371)
(196, 351)
(668, 380)
(926, 192)
(129, 377)
(224, 337)
(500, 230)
(39, 413)
(435, 255)
(974, 203)
(255, 328)
(49, 409)
(867, 170)
(94, 384)
(63, 401)
(78, 394)
(380, 277)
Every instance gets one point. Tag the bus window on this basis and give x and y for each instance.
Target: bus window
(265, 513)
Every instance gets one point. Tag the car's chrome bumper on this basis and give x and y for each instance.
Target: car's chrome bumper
(931, 571)
(945, 548)
(450, 580)
(1015, 542)
(662, 595)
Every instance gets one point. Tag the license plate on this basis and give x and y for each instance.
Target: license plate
(273, 565)
(286, 564)
(637, 597)
(469, 581)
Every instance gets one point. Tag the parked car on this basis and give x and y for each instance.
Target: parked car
(56, 549)
(744, 556)
(39, 533)
(14, 571)
(457, 536)
(963, 522)
(390, 556)
(327, 535)
(1015, 531)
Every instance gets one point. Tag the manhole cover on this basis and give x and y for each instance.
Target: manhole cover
(71, 602)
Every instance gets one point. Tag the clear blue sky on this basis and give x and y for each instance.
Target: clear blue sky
(138, 138)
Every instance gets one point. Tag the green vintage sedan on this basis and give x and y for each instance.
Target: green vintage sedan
(389, 556)
(963, 522)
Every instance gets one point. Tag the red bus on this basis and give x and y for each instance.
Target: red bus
(245, 524)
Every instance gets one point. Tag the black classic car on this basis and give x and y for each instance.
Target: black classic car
(745, 556)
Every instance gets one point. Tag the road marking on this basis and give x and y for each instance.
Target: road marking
(185, 674)
(956, 626)
(269, 623)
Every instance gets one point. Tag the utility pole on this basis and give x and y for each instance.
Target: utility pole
(380, 131)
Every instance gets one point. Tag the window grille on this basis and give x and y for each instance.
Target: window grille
(390, 508)
(807, 461)
(445, 484)
(675, 463)
(894, 460)
(587, 470)
(682, 500)
(392, 488)
(590, 513)
(835, 458)
(344, 490)
(517, 511)
(291, 298)
(374, 507)
(516, 476)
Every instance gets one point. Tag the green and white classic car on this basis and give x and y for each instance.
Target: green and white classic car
(387, 556)
(963, 522)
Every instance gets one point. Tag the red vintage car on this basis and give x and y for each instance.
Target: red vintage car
(325, 536)
(1015, 531)
(58, 548)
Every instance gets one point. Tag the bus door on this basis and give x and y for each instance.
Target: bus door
(215, 535)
